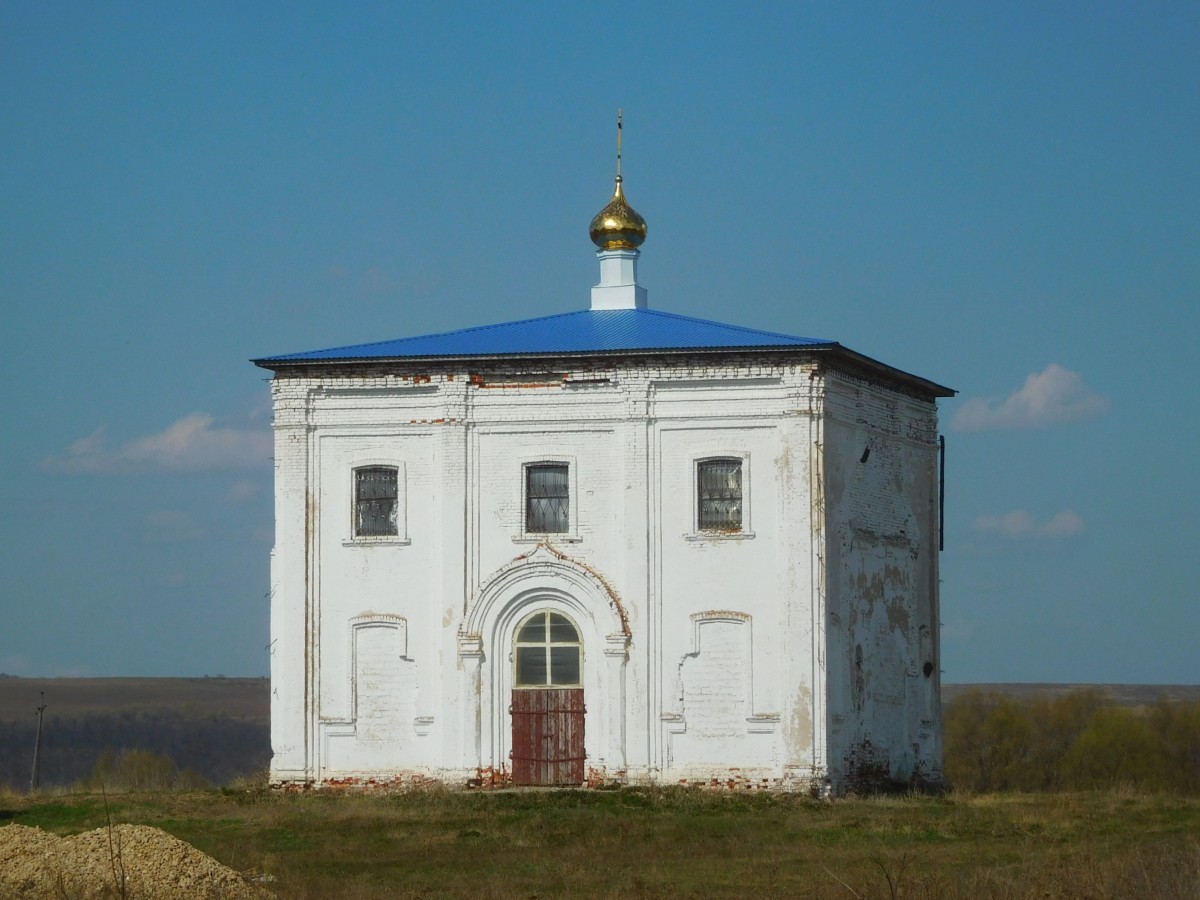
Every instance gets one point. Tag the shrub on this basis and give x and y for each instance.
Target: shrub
(1077, 741)
(142, 770)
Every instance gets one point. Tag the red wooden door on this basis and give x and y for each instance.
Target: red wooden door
(547, 701)
(547, 736)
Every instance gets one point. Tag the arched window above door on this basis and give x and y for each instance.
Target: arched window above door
(547, 652)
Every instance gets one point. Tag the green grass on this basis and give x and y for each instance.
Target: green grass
(671, 843)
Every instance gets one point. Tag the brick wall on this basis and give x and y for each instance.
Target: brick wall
(633, 569)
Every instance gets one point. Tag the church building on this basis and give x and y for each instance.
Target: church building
(614, 545)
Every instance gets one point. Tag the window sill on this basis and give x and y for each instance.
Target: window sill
(549, 537)
(719, 536)
(389, 541)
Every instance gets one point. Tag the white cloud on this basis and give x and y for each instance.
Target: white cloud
(1020, 523)
(192, 444)
(1051, 397)
(1017, 523)
(1063, 524)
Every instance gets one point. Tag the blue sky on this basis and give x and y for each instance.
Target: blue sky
(1004, 198)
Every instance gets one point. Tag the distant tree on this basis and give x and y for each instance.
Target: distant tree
(1176, 726)
(1058, 722)
(962, 723)
(988, 742)
(1079, 740)
(1008, 736)
(1117, 748)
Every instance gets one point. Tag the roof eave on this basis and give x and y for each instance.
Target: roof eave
(276, 363)
(833, 348)
(891, 372)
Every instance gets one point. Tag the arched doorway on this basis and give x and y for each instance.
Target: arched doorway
(547, 701)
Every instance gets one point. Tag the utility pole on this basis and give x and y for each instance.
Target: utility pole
(36, 780)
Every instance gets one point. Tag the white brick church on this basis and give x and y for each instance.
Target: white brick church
(611, 545)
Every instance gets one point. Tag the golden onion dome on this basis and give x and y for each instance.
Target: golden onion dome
(618, 226)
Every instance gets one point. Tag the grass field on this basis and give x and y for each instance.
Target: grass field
(669, 843)
(627, 843)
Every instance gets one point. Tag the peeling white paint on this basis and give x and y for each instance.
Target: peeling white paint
(727, 657)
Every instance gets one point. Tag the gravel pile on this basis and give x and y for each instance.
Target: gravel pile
(156, 866)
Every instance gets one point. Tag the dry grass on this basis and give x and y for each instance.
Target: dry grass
(673, 843)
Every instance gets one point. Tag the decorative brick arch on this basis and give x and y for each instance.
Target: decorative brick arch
(546, 578)
(547, 565)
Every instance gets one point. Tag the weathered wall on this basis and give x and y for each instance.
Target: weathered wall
(879, 462)
(735, 658)
(705, 654)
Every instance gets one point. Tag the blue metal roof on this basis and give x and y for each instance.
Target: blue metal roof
(586, 331)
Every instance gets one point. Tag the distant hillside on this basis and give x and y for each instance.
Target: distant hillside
(216, 727)
(1119, 694)
(250, 698)
(237, 697)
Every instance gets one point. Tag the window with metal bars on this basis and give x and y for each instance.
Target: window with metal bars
(547, 652)
(547, 498)
(376, 494)
(719, 495)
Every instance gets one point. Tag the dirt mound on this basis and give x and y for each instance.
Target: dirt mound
(153, 865)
